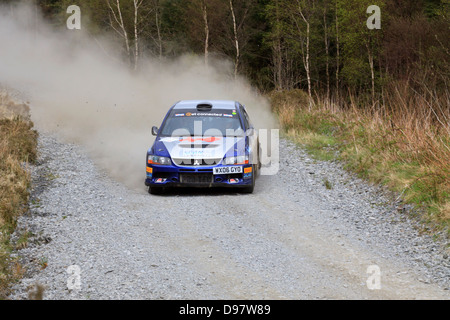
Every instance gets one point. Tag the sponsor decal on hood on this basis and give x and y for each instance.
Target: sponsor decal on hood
(203, 147)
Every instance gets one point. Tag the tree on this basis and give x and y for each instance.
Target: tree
(158, 26)
(137, 5)
(294, 37)
(129, 17)
(338, 51)
(117, 23)
(360, 46)
(326, 38)
(199, 20)
(236, 39)
(206, 24)
(240, 14)
(274, 38)
(306, 10)
(282, 44)
(284, 41)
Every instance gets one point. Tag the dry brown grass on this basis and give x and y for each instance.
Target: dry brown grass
(10, 108)
(403, 141)
(18, 147)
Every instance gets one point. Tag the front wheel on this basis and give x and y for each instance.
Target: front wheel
(155, 190)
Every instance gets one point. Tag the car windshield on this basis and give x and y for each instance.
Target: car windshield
(216, 122)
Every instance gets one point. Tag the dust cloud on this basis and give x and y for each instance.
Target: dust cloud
(78, 86)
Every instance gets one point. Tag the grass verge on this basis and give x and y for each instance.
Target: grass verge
(18, 148)
(404, 144)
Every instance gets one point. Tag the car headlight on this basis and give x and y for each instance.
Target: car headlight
(163, 161)
(236, 160)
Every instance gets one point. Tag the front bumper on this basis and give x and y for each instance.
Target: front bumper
(198, 176)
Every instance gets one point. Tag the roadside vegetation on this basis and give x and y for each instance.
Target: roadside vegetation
(403, 144)
(18, 148)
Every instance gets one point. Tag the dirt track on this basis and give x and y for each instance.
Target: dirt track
(291, 239)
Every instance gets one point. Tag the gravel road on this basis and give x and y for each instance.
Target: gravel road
(295, 237)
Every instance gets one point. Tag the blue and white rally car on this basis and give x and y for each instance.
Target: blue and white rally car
(204, 144)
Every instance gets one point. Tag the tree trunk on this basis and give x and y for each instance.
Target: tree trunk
(307, 64)
(277, 56)
(327, 53)
(372, 72)
(236, 40)
(205, 19)
(158, 30)
(119, 20)
(306, 61)
(136, 40)
(337, 54)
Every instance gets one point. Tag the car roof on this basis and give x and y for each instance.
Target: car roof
(216, 104)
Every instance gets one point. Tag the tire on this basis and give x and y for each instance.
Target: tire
(155, 190)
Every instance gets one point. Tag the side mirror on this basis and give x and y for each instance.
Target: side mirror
(154, 131)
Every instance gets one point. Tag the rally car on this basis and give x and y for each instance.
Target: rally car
(204, 144)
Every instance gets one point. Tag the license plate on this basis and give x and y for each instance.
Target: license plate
(198, 178)
(227, 170)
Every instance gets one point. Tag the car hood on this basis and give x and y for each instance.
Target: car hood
(200, 147)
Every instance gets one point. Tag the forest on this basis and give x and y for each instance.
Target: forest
(321, 46)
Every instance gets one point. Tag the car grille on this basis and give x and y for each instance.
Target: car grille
(197, 162)
(196, 178)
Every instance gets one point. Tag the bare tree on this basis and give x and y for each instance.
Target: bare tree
(306, 61)
(137, 4)
(337, 52)
(327, 50)
(277, 50)
(304, 44)
(239, 11)
(159, 41)
(129, 19)
(236, 40)
(205, 20)
(118, 24)
(372, 71)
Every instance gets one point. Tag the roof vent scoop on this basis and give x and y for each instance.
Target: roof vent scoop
(204, 107)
